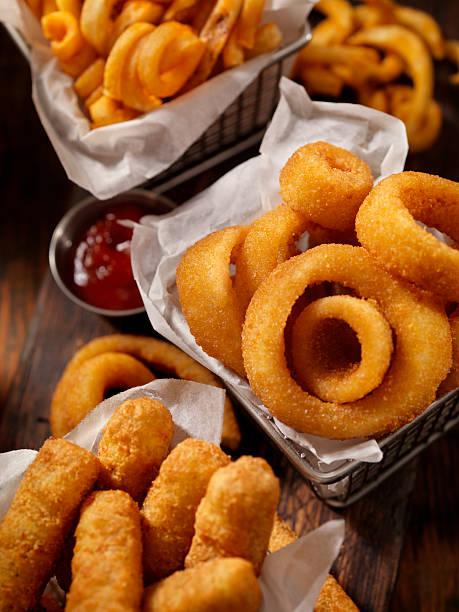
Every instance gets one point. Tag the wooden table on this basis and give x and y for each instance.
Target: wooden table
(402, 541)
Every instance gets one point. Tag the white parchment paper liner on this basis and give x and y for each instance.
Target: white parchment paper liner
(292, 577)
(241, 196)
(115, 158)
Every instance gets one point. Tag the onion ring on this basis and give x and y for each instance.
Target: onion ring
(326, 184)
(269, 241)
(89, 384)
(416, 318)
(313, 367)
(161, 356)
(209, 302)
(386, 227)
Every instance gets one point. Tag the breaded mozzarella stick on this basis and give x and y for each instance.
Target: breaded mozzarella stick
(220, 585)
(236, 515)
(169, 508)
(43, 511)
(107, 558)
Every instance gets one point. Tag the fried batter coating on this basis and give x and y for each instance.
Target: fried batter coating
(337, 380)
(332, 597)
(386, 226)
(168, 512)
(209, 301)
(236, 515)
(281, 534)
(269, 241)
(220, 585)
(44, 508)
(135, 443)
(420, 361)
(107, 559)
(90, 383)
(326, 184)
(161, 356)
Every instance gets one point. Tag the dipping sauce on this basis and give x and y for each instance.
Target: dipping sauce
(102, 272)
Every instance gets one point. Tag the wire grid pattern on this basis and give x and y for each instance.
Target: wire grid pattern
(398, 449)
(249, 113)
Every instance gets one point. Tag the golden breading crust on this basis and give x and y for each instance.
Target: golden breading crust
(332, 597)
(236, 515)
(33, 531)
(168, 512)
(222, 585)
(158, 354)
(135, 442)
(107, 558)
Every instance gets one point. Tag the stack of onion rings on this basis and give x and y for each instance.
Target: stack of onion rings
(416, 319)
(338, 366)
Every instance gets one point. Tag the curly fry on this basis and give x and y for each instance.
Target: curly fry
(78, 62)
(214, 34)
(248, 22)
(409, 46)
(96, 23)
(62, 28)
(424, 25)
(267, 38)
(134, 11)
(90, 79)
(118, 55)
(341, 14)
(180, 47)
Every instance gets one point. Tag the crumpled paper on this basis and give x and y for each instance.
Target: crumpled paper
(239, 197)
(115, 158)
(292, 577)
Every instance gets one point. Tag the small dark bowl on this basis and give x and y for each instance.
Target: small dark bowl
(72, 227)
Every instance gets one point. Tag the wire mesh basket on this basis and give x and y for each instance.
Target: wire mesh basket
(240, 126)
(346, 483)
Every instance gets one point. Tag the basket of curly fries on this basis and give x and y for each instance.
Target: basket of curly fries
(304, 279)
(125, 90)
(382, 54)
(138, 508)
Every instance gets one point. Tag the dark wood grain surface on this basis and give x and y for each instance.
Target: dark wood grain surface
(401, 550)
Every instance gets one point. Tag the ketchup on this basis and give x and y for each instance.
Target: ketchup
(102, 272)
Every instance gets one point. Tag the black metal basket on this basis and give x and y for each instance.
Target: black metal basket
(343, 485)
